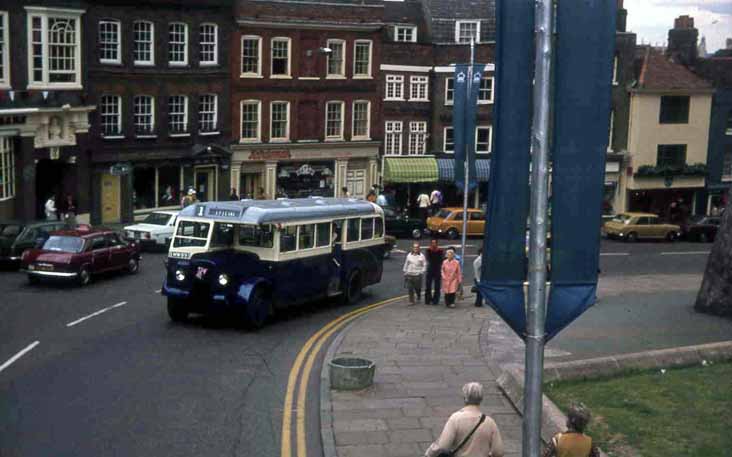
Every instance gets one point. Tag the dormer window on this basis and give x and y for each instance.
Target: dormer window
(465, 31)
(405, 34)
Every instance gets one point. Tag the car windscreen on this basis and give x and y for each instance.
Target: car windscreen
(157, 219)
(10, 230)
(64, 244)
(258, 236)
(622, 218)
(443, 213)
(191, 234)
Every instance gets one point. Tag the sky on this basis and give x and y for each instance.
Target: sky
(651, 19)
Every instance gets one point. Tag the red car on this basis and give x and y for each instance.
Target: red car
(77, 255)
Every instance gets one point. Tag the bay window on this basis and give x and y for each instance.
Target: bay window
(55, 48)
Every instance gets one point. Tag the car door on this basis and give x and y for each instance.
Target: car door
(100, 254)
(119, 254)
(642, 227)
(476, 223)
(657, 229)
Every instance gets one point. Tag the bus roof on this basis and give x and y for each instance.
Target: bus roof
(280, 211)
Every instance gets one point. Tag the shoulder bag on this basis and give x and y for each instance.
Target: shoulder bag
(467, 438)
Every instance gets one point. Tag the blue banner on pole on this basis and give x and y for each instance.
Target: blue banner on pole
(465, 113)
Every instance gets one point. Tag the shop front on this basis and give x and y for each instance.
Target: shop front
(611, 199)
(671, 198)
(304, 170)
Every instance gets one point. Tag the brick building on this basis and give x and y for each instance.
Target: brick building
(44, 147)
(158, 74)
(305, 104)
(423, 39)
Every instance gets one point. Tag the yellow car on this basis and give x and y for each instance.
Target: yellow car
(449, 222)
(635, 226)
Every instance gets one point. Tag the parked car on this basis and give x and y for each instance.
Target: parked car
(635, 226)
(16, 237)
(155, 231)
(449, 222)
(401, 225)
(77, 255)
(702, 228)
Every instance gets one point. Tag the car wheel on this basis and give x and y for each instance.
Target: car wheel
(416, 234)
(177, 309)
(259, 308)
(453, 234)
(703, 238)
(33, 280)
(352, 293)
(84, 276)
(632, 237)
(133, 266)
(671, 236)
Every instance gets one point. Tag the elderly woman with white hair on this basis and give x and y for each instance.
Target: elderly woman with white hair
(468, 432)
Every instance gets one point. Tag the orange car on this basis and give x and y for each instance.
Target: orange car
(449, 222)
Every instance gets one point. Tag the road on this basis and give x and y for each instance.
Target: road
(126, 381)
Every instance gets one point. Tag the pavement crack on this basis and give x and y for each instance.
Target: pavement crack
(240, 417)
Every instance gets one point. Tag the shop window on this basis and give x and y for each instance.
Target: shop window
(362, 59)
(306, 237)
(354, 230)
(144, 50)
(671, 155)
(367, 229)
(143, 195)
(251, 56)
(178, 44)
(674, 109)
(288, 239)
(323, 235)
(280, 57)
(336, 58)
(169, 186)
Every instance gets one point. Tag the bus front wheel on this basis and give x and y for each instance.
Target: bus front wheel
(352, 292)
(177, 309)
(259, 308)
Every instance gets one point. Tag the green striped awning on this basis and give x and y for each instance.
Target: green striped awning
(410, 169)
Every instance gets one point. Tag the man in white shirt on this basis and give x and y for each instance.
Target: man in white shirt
(50, 208)
(436, 200)
(414, 267)
(477, 266)
(423, 202)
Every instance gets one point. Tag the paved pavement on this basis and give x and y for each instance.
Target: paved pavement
(424, 354)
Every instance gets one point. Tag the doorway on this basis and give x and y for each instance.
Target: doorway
(356, 183)
(110, 199)
(206, 184)
(50, 177)
(250, 184)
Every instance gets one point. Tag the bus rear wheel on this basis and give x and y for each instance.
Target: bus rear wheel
(177, 309)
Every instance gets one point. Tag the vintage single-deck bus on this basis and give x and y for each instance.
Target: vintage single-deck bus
(257, 256)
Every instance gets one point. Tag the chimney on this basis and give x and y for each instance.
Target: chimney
(682, 47)
(621, 17)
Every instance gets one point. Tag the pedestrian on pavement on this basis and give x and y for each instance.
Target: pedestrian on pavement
(414, 267)
(381, 200)
(435, 255)
(234, 196)
(436, 201)
(452, 278)
(69, 213)
(477, 266)
(423, 203)
(468, 432)
(50, 208)
(573, 442)
(190, 198)
(344, 191)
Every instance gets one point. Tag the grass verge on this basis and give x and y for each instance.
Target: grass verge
(685, 412)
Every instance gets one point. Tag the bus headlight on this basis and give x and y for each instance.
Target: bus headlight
(179, 275)
(223, 280)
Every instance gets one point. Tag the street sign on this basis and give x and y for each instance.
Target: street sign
(120, 169)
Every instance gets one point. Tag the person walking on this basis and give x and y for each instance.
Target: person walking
(234, 196)
(423, 203)
(50, 208)
(468, 432)
(452, 277)
(573, 442)
(434, 255)
(477, 266)
(414, 267)
(435, 201)
(69, 214)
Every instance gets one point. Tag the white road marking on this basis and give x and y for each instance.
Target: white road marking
(614, 253)
(686, 253)
(104, 310)
(18, 355)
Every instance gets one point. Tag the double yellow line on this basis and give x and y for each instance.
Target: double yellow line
(317, 340)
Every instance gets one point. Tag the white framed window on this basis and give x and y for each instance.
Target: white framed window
(110, 42)
(177, 114)
(7, 168)
(279, 125)
(419, 88)
(393, 138)
(280, 57)
(362, 59)
(449, 91)
(144, 114)
(485, 93)
(448, 140)
(177, 43)
(143, 52)
(4, 50)
(55, 48)
(405, 33)
(394, 87)
(251, 120)
(334, 120)
(336, 58)
(208, 105)
(615, 70)
(251, 56)
(110, 115)
(483, 139)
(209, 42)
(610, 131)
(467, 30)
(361, 128)
(417, 137)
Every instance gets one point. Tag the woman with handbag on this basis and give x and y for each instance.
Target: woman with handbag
(468, 432)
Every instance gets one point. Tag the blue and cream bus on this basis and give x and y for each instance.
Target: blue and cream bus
(255, 257)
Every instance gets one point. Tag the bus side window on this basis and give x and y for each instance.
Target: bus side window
(378, 227)
(354, 230)
(337, 231)
(322, 235)
(307, 236)
(288, 239)
(367, 229)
